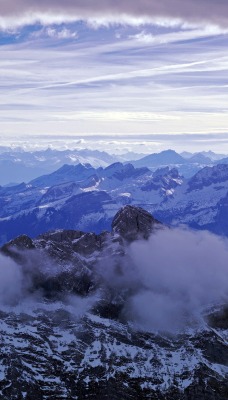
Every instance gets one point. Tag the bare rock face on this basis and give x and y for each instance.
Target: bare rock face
(133, 223)
(22, 242)
(219, 320)
(17, 246)
(53, 347)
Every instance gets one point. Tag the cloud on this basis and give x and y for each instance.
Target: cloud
(166, 283)
(11, 281)
(186, 35)
(171, 279)
(23, 285)
(145, 10)
(176, 72)
(115, 116)
(55, 33)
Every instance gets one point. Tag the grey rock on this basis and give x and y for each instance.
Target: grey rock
(54, 349)
(133, 223)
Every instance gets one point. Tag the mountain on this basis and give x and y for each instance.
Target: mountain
(200, 158)
(80, 197)
(213, 156)
(86, 198)
(186, 154)
(129, 156)
(17, 165)
(201, 202)
(12, 172)
(223, 161)
(188, 164)
(132, 223)
(67, 173)
(67, 331)
(89, 210)
(208, 154)
(167, 157)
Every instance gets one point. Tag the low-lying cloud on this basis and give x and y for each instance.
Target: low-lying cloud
(144, 10)
(180, 273)
(165, 283)
(171, 280)
(11, 281)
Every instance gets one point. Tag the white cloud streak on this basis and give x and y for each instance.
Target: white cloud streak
(69, 79)
(55, 33)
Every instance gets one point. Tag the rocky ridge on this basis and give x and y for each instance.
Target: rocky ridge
(70, 340)
(84, 198)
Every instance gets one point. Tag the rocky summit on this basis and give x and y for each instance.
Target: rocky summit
(134, 222)
(66, 332)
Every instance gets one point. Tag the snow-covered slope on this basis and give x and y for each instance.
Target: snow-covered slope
(82, 197)
(64, 334)
(201, 202)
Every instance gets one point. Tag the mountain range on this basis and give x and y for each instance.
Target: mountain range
(86, 198)
(18, 165)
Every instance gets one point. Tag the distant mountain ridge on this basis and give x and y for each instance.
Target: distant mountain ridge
(17, 165)
(166, 157)
(83, 197)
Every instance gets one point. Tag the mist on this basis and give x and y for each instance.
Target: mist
(28, 283)
(11, 281)
(180, 274)
(171, 280)
(165, 283)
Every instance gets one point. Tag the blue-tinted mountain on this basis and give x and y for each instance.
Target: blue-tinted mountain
(167, 157)
(17, 165)
(67, 173)
(200, 158)
(82, 197)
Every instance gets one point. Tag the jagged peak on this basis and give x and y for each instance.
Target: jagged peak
(20, 242)
(77, 167)
(208, 175)
(15, 246)
(132, 222)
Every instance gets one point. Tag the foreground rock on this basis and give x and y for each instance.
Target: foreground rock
(133, 223)
(66, 337)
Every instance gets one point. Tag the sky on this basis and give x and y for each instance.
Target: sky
(141, 76)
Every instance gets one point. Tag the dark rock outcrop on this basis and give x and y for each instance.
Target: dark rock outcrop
(134, 222)
(71, 345)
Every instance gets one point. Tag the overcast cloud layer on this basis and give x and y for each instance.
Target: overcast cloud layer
(190, 10)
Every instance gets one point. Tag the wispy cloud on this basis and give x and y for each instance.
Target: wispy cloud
(71, 79)
(115, 116)
(55, 33)
(178, 36)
